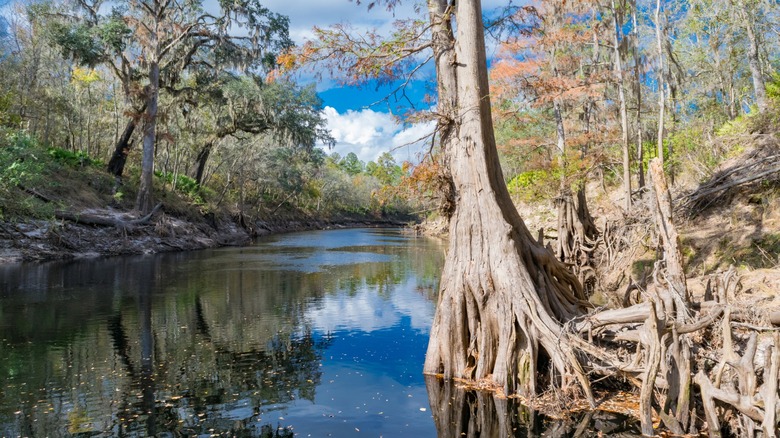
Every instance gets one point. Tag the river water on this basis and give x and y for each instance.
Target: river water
(308, 334)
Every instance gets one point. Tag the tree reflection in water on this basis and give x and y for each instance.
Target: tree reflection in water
(230, 399)
(221, 342)
(461, 413)
(227, 398)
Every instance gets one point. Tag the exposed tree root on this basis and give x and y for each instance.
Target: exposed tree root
(578, 236)
(534, 335)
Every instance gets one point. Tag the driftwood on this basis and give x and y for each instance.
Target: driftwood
(107, 221)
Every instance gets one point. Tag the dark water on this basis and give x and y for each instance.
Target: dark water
(311, 334)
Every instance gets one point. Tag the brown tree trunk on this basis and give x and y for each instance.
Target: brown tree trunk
(502, 296)
(116, 165)
(200, 162)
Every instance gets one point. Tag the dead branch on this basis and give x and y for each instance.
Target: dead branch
(754, 165)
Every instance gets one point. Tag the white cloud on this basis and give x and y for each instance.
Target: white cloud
(304, 14)
(367, 310)
(369, 133)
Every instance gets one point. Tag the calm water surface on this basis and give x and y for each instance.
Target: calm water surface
(310, 334)
(320, 333)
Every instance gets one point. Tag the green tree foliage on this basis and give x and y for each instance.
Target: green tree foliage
(151, 44)
(74, 78)
(352, 164)
(385, 170)
(245, 105)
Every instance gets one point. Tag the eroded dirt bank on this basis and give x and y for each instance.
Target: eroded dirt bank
(42, 240)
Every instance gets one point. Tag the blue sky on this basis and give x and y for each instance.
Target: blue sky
(357, 127)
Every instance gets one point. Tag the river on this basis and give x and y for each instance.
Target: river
(307, 334)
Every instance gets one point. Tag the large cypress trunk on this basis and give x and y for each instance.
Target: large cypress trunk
(503, 297)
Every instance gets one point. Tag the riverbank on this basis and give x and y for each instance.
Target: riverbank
(108, 232)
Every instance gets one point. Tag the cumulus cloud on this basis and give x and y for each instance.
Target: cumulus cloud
(367, 310)
(369, 133)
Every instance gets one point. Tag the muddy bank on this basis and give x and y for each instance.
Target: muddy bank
(42, 240)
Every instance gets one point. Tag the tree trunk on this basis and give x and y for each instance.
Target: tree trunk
(671, 301)
(617, 24)
(116, 165)
(640, 150)
(560, 132)
(577, 234)
(661, 92)
(759, 85)
(145, 199)
(502, 296)
(200, 162)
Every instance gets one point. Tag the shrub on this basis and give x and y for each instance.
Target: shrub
(73, 158)
(534, 185)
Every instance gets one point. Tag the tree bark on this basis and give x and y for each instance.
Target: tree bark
(675, 272)
(759, 85)
(617, 24)
(503, 296)
(200, 161)
(640, 150)
(116, 165)
(145, 199)
(661, 92)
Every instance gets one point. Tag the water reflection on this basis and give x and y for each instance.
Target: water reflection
(299, 335)
(460, 413)
(236, 341)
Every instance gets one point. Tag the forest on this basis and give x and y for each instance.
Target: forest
(607, 171)
(226, 138)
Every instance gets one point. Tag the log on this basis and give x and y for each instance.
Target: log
(708, 192)
(651, 339)
(106, 221)
(34, 193)
(769, 389)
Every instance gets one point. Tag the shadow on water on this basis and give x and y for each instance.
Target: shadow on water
(461, 413)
